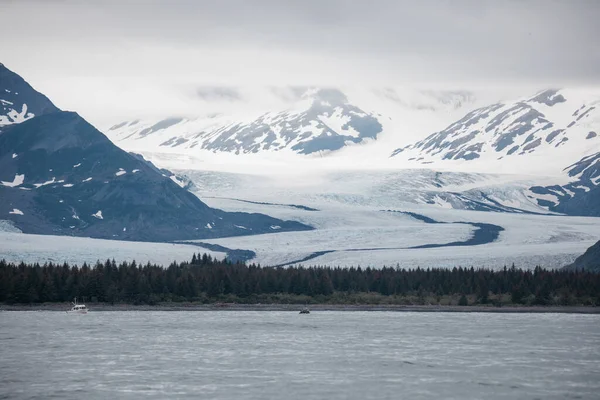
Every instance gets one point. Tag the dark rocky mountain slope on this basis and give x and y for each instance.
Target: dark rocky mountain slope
(59, 175)
(590, 260)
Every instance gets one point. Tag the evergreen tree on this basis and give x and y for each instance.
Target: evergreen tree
(484, 291)
(209, 279)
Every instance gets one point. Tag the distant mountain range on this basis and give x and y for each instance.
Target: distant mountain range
(563, 123)
(327, 124)
(60, 175)
(315, 121)
(552, 133)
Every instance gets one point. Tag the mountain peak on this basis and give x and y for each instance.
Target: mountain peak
(550, 123)
(549, 97)
(18, 100)
(324, 120)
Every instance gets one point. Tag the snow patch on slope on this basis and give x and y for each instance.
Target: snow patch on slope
(17, 181)
(51, 181)
(14, 116)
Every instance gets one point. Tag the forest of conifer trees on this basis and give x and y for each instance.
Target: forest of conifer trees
(207, 280)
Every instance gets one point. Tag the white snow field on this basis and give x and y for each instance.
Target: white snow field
(17, 247)
(526, 241)
(350, 221)
(356, 220)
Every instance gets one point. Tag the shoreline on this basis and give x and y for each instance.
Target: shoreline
(57, 307)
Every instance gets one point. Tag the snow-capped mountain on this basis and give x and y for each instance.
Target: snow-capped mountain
(555, 124)
(328, 123)
(313, 120)
(539, 135)
(60, 175)
(553, 133)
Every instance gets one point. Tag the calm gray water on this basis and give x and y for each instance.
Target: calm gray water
(284, 355)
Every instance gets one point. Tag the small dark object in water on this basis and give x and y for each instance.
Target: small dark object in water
(304, 311)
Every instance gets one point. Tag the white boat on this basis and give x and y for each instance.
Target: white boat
(78, 308)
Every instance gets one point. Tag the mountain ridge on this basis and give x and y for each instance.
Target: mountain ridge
(327, 124)
(13, 90)
(308, 122)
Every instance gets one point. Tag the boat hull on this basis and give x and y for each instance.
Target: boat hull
(77, 312)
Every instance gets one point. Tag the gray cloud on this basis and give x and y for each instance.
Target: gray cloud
(453, 40)
(228, 43)
(218, 93)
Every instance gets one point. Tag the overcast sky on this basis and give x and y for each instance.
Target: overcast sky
(109, 58)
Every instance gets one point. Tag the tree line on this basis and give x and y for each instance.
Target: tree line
(208, 280)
